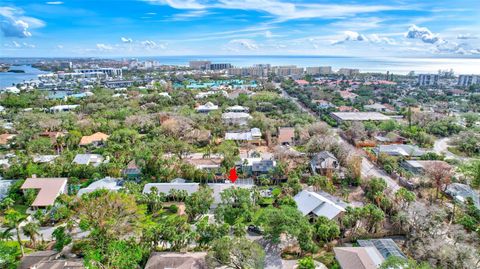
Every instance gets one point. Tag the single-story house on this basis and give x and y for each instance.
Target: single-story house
(253, 134)
(237, 109)
(386, 246)
(212, 162)
(462, 192)
(48, 189)
(208, 107)
(108, 183)
(358, 116)
(418, 167)
(377, 107)
(263, 166)
(323, 162)
(44, 158)
(132, 170)
(240, 118)
(358, 257)
(88, 159)
(172, 260)
(193, 187)
(96, 139)
(316, 204)
(399, 150)
(286, 136)
(62, 108)
(49, 259)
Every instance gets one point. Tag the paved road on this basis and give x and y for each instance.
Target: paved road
(368, 169)
(441, 147)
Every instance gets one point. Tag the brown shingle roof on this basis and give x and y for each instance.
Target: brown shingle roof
(4, 138)
(358, 257)
(96, 137)
(286, 135)
(49, 189)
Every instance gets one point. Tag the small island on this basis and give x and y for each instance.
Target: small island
(16, 71)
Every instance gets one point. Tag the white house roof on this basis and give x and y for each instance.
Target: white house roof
(88, 158)
(237, 108)
(207, 107)
(312, 202)
(360, 116)
(44, 158)
(107, 183)
(400, 149)
(193, 187)
(239, 136)
(236, 115)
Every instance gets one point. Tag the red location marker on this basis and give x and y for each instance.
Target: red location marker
(233, 175)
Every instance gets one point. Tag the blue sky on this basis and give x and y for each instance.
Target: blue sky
(404, 28)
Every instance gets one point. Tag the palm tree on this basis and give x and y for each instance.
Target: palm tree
(6, 235)
(7, 203)
(13, 219)
(31, 230)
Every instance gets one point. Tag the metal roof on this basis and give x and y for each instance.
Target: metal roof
(312, 202)
(386, 246)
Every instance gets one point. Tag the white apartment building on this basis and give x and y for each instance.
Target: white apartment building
(427, 79)
(468, 80)
(111, 72)
(319, 70)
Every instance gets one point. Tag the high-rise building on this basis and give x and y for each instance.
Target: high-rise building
(220, 66)
(319, 70)
(111, 72)
(427, 79)
(348, 71)
(468, 80)
(200, 65)
(255, 71)
(288, 70)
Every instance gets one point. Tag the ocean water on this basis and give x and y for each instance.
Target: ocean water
(380, 64)
(371, 64)
(8, 78)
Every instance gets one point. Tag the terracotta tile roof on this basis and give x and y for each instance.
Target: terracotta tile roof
(5, 137)
(49, 189)
(286, 135)
(96, 137)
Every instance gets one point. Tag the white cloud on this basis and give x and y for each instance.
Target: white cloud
(178, 4)
(104, 47)
(126, 39)
(14, 24)
(15, 44)
(282, 10)
(466, 36)
(350, 36)
(190, 15)
(55, 3)
(268, 34)
(415, 32)
(59, 46)
(242, 44)
(149, 44)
